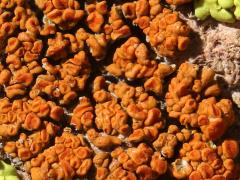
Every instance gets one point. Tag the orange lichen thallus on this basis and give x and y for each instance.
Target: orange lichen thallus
(165, 31)
(200, 159)
(132, 60)
(191, 100)
(69, 156)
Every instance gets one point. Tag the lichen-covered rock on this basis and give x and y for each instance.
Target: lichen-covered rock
(80, 72)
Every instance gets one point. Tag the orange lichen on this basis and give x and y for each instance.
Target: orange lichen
(97, 43)
(22, 54)
(50, 58)
(63, 44)
(191, 100)
(96, 12)
(33, 144)
(199, 159)
(26, 114)
(132, 61)
(111, 117)
(73, 76)
(103, 141)
(178, 2)
(14, 15)
(116, 27)
(165, 31)
(131, 163)
(142, 11)
(141, 160)
(168, 34)
(23, 49)
(167, 141)
(66, 14)
(139, 105)
(82, 117)
(69, 157)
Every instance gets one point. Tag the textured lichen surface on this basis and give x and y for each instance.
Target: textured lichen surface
(99, 90)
